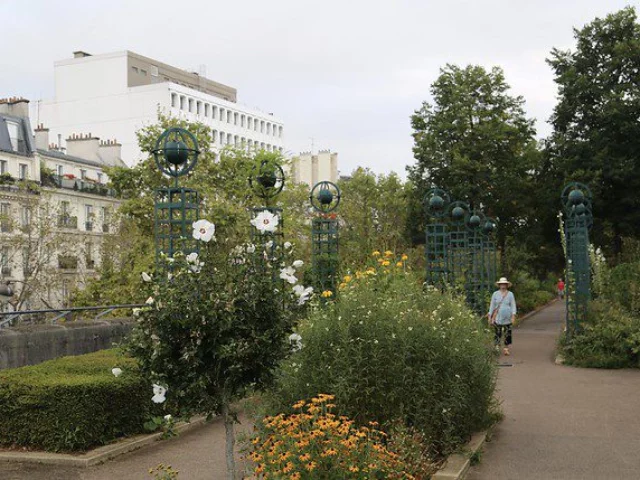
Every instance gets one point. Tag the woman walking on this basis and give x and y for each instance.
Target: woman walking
(502, 314)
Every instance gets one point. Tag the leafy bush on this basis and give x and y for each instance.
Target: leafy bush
(313, 441)
(623, 286)
(389, 352)
(609, 339)
(530, 292)
(72, 403)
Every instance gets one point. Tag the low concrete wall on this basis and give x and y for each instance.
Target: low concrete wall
(30, 345)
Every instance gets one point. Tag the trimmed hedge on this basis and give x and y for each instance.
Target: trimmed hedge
(73, 403)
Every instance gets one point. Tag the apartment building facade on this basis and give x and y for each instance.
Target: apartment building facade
(313, 168)
(113, 95)
(55, 208)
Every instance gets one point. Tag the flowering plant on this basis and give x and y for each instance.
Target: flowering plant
(313, 442)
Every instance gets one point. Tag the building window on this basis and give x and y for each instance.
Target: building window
(174, 100)
(261, 126)
(99, 177)
(243, 142)
(268, 129)
(222, 137)
(198, 107)
(242, 117)
(222, 114)
(4, 166)
(83, 174)
(59, 170)
(249, 123)
(229, 139)
(135, 69)
(5, 217)
(88, 215)
(229, 116)
(214, 112)
(250, 144)
(235, 119)
(214, 136)
(4, 261)
(23, 172)
(235, 140)
(143, 72)
(182, 102)
(154, 71)
(206, 109)
(190, 105)
(25, 217)
(280, 132)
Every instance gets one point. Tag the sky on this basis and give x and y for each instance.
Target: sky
(342, 75)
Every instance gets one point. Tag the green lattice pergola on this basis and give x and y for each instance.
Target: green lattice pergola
(436, 203)
(576, 201)
(325, 198)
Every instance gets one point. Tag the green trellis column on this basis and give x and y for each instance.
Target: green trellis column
(176, 154)
(267, 181)
(458, 243)
(490, 261)
(476, 278)
(576, 200)
(436, 202)
(325, 198)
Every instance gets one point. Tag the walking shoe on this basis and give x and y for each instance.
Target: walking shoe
(506, 351)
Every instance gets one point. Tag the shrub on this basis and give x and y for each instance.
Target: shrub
(609, 339)
(623, 286)
(389, 352)
(530, 292)
(313, 441)
(72, 403)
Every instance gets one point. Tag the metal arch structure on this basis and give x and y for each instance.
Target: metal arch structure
(476, 280)
(576, 201)
(436, 204)
(458, 253)
(488, 230)
(176, 154)
(325, 198)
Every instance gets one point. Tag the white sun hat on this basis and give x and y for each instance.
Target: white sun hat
(503, 280)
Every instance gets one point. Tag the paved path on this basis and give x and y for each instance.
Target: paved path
(561, 423)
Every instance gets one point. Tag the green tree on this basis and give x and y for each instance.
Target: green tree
(474, 141)
(596, 133)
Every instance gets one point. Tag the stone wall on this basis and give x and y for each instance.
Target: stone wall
(29, 345)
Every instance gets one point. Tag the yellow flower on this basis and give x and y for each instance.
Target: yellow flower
(386, 263)
(376, 253)
(347, 278)
(388, 253)
(404, 257)
(327, 294)
(299, 404)
(342, 286)
(310, 466)
(399, 264)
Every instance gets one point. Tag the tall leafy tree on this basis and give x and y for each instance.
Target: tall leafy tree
(474, 140)
(596, 136)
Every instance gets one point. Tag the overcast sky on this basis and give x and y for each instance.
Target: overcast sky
(346, 73)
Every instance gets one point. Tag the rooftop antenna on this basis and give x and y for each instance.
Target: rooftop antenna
(312, 144)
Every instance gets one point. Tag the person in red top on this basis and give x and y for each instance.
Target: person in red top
(560, 288)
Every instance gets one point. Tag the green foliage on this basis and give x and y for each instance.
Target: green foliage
(623, 287)
(216, 326)
(596, 133)
(609, 339)
(391, 352)
(73, 403)
(530, 292)
(474, 141)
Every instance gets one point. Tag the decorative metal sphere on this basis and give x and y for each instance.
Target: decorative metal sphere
(325, 197)
(576, 197)
(457, 214)
(580, 209)
(474, 221)
(176, 152)
(488, 227)
(436, 203)
(267, 179)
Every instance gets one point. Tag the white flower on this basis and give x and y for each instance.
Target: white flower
(287, 245)
(116, 371)
(265, 221)
(194, 263)
(192, 257)
(251, 248)
(168, 418)
(149, 301)
(159, 393)
(136, 312)
(288, 274)
(146, 277)
(269, 245)
(302, 293)
(298, 264)
(296, 341)
(203, 230)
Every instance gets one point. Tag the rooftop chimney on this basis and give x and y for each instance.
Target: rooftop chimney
(110, 152)
(16, 106)
(80, 54)
(83, 146)
(42, 138)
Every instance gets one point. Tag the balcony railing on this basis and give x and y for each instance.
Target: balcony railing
(67, 221)
(88, 226)
(79, 185)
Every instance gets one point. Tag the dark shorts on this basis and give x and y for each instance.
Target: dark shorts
(501, 330)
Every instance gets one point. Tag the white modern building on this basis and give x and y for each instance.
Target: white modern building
(311, 169)
(55, 207)
(113, 95)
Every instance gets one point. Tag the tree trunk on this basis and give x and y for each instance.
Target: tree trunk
(230, 441)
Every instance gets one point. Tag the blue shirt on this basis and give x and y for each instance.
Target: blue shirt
(507, 307)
